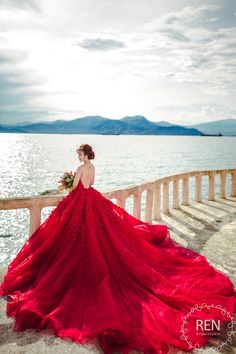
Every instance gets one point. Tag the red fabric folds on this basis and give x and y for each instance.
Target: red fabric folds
(94, 273)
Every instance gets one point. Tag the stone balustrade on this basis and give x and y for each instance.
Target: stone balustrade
(157, 195)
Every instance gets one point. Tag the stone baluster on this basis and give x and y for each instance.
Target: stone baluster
(157, 201)
(121, 202)
(185, 190)
(223, 175)
(149, 204)
(137, 205)
(35, 218)
(166, 197)
(211, 185)
(176, 193)
(233, 184)
(121, 198)
(198, 187)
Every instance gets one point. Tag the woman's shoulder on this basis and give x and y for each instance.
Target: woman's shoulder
(83, 167)
(91, 165)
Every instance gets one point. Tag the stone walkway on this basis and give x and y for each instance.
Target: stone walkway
(208, 228)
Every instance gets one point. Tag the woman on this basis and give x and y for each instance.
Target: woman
(94, 273)
(85, 154)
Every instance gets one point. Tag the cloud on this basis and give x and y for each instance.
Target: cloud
(174, 34)
(195, 112)
(99, 44)
(12, 56)
(20, 4)
(187, 15)
(182, 35)
(86, 56)
(213, 19)
(11, 77)
(19, 86)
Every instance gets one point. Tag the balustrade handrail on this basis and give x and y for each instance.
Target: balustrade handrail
(153, 195)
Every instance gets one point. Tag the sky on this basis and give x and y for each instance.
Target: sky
(163, 59)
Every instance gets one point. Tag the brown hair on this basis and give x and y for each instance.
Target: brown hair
(88, 151)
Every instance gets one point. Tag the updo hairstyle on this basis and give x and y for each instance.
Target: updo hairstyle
(88, 151)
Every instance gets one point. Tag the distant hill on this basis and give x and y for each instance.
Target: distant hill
(163, 123)
(136, 125)
(222, 126)
(11, 129)
(23, 123)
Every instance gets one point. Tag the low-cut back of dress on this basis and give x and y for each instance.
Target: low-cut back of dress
(94, 273)
(91, 180)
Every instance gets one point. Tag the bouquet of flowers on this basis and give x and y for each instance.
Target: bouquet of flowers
(66, 181)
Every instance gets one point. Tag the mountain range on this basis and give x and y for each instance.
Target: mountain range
(222, 126)
(135, 125)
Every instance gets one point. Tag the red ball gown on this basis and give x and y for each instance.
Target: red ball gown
(93, 273)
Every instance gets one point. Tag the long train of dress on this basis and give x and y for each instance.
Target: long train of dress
(94, 273)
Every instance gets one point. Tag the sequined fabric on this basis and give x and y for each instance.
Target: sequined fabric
(93, 273)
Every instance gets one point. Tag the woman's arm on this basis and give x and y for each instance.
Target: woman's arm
(77, 177)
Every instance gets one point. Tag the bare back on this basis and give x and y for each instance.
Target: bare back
(88, 175)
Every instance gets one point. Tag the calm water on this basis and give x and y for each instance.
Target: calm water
(32, 163)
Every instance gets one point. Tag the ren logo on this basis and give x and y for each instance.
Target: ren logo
(207, 325)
